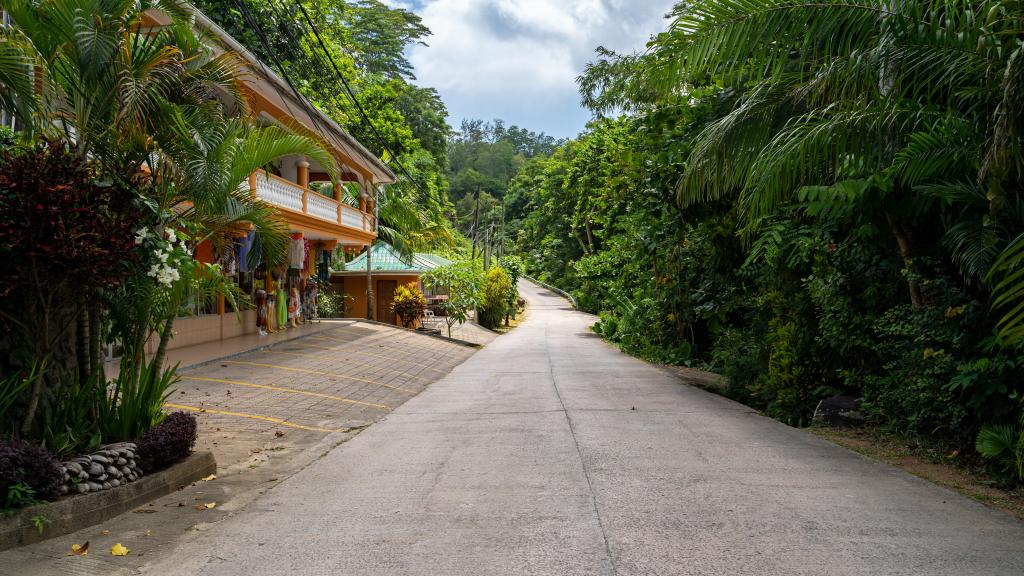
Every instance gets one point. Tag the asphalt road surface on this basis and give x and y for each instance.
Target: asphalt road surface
(551, 453)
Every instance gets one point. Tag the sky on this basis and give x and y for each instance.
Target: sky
(518, 59)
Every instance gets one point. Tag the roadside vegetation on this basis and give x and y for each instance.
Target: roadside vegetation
(811, 199)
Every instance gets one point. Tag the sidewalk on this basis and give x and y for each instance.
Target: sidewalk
(267, 407)
(189, 356)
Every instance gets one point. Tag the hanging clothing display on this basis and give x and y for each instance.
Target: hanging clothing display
(296, 251)
(228, 261)
(282, 308)
(271, 311)
(309, 301)
(244, 247)
(261, 312)
(305, 256)
(323, 270)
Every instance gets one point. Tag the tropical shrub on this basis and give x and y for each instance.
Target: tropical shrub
(409, 304)
(495, 302)
(1004, 444)
(463, 282)
(27, 472)
(167, 442)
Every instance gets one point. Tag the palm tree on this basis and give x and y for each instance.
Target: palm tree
(907, 104)
(148, 107)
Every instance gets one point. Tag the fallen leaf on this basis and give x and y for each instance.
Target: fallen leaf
(118, 550)
(149, 532)
(278, 433)
(207, 506)
(144, 511)
(80, 549)
(210, 477)
(105, 532)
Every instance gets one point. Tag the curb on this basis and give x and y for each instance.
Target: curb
(445, 338)
(73, 513)
(257, 348)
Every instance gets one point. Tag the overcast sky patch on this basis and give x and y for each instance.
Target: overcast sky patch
(518, 59)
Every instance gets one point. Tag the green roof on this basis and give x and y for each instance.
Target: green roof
(387, 259)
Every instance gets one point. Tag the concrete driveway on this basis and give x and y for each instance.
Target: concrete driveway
(549, 452)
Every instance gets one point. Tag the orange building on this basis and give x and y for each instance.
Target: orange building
(320, 222)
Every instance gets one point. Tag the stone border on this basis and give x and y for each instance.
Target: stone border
(73, 513)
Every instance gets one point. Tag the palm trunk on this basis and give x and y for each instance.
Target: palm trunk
(161, 351)
(95, 346)
(82, 344)
(907, 255)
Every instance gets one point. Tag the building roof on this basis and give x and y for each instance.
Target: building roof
(304, 112)
(387, 259)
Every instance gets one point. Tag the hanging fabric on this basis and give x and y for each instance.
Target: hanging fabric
(296, 251)
(244, 246)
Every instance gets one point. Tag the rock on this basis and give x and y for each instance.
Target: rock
(95, 469)
(81, 488)
(838, 411)
(73, 468)
(100, 478)
(115, 483)
(113, 471)
(83, 475)
(63, 489)
(94, 486)
(100, 458)
(120, 462)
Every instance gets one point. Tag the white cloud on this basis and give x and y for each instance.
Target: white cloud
(518, 59)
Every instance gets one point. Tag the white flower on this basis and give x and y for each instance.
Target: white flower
(163, 256)
(171, 236)
(141, 235)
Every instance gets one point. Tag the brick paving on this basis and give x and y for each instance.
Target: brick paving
(265, 414)
(341, 378)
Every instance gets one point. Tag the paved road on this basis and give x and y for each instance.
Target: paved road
(550, 453)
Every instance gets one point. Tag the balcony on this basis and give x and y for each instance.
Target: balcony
(287, 194)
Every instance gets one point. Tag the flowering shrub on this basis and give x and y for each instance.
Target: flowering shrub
(23, 464)
(167, 442)
(164, 255)
(408, 304)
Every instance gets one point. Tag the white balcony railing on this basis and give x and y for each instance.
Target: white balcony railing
(287, 194)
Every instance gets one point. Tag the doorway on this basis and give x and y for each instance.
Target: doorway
(385, 298)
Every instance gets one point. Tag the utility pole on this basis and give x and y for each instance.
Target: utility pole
(476, 223)
(487, 247)
(369, 262)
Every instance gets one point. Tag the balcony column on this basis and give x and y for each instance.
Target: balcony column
(302, 177)
(303, 174)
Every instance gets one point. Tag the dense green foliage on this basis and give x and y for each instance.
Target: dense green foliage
(812, 198)
(483, 158)
(406, 125)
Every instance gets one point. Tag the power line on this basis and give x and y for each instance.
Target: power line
(319, 61)
(352, 96)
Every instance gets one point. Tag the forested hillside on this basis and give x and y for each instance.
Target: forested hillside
(811, 200)
(483, 157)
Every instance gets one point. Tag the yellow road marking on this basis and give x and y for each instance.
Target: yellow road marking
(308, 371)
(253, 416)
(365, 353)
(292, 390)
(347, 360)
